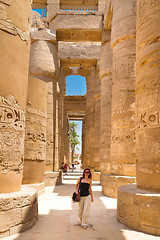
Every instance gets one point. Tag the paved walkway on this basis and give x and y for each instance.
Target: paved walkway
(58, 219)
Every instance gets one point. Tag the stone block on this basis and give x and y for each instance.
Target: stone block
(10, 218)
(24, 208)
(148, 217)
(6, 204)
(4, 234)
(29, 212)
(22, 227)
(147, 229)
(130, 224)
(52, 178)
(76, 21)
(125, 197)
(131, 212)
(143, 211)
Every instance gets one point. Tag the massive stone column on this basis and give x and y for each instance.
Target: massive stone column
(144, 199)
(50, 130)
(97, 106)
(14, 31)
(88, 150)
(105, 120)
(43, 67)
(123, 42)
(15, 213)
(65, 135)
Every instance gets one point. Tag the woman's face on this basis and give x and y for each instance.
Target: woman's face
(86, 173)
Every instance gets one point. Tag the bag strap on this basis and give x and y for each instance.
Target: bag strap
(79, 185)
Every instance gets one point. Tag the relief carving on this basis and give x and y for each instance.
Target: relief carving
(141, 8)
(123, 138)
(149, 119)
(10, 114)
(154, 3)
(36, 137)
(7, 25)
(12, 120)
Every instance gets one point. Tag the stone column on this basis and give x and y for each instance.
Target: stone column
(89, 122)
(144, 199)
(97, 106)
(14, 46)
(19, 208)
(59, 120)
(50, 130)
(66, 140)
(43, 67)
(123, 42)
(106, 93)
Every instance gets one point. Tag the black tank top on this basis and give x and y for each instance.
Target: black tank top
(84, 189)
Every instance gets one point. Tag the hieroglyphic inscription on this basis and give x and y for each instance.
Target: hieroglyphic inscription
(149, 119)
(36, 136)
(154, 3)
(123, 138)
(141, 8)
(10, 114)
(12, 120)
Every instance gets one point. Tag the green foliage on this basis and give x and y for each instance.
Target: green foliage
(73, 137)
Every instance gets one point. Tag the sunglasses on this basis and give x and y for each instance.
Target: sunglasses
(87, 172)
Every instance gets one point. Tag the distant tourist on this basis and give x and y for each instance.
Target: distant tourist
(72, 167)
(62, 166)
(65, 168)
(85, 190)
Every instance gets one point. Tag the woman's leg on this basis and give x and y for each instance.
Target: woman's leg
(86, 210)
(81, 207)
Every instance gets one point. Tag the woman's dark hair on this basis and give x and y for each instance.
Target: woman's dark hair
(90, 174)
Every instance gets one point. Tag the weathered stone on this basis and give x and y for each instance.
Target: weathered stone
(14, 31)
(52, 178)
(139, 209)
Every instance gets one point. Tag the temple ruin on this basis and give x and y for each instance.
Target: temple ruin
(115, 45)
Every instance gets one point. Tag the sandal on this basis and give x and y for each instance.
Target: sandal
(84, 227)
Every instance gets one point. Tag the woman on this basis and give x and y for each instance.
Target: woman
(84, 183)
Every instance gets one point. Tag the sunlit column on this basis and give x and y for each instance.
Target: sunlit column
(14, 58)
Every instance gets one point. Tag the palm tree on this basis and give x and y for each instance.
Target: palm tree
(73, 137)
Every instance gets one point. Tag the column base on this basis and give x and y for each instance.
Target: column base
(38, 186)
(18, 211)
(111, 183)
(52, 178)
(139, 209)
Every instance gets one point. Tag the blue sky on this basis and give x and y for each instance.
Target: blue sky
(76, 85)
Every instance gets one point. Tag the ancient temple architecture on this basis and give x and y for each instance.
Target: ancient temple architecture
(115, 45)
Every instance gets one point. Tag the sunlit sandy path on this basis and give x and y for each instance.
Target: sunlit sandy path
(58, 218)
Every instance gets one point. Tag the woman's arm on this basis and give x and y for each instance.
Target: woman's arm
(90, 190)
(76, 187)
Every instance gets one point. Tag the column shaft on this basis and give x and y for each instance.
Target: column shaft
(123, 89)
(148, 96)
(106, 92)
(14, 58)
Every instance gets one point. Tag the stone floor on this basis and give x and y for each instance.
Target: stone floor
(58, 218)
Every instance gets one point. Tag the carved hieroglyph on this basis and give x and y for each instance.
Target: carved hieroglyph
(123, 89)
(148, 95)
(12, 120)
